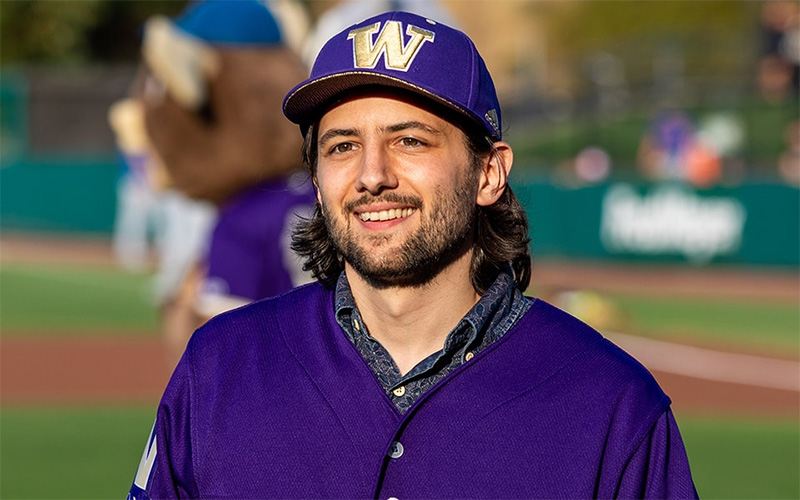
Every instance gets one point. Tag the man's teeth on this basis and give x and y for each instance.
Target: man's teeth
(393, 213)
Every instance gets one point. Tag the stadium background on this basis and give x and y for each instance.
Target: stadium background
(708, 268)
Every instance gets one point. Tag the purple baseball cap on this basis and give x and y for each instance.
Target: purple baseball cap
(402, 50)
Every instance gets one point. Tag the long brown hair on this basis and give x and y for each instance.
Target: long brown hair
(500, 240)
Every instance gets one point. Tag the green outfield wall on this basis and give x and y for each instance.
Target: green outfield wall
(744, 224)
(58, 195)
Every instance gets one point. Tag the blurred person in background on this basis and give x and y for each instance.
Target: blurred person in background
(591, 165)
(672, 150)
(778, 76)
(136, 215)
(217, 74)
(779, 67)
(153, 221)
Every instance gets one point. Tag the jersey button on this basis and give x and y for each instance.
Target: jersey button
(396, 451)
(469, 356)
(399, 391)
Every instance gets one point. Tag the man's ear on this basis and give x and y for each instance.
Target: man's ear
(494, 174)
(316, 189)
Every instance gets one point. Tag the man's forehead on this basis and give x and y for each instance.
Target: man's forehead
(387, 109)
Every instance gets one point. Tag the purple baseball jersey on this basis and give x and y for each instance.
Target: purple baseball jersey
(249, 256)
(272, 400)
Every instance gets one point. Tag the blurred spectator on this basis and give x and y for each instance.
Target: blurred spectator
(774, 77)
(591, 165)
(665, 145)
(778, 74)
(723, 133)
(137, 202)
(672, 150)
(213, 112)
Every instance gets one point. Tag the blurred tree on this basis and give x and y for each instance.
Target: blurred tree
(75, 31)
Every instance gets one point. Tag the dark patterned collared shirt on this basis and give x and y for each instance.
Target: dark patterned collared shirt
(488, 320)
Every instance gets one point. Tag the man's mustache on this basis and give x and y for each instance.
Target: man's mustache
(368, 199)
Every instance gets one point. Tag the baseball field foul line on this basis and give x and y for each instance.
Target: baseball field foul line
(711, 365)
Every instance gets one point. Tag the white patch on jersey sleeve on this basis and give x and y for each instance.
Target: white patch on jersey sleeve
(147, 462)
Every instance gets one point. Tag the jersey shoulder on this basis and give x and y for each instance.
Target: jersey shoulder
(256, 319)
(563, 340)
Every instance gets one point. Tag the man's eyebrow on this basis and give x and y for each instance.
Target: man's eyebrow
(398, 127)
(413, 125)
(336, 132)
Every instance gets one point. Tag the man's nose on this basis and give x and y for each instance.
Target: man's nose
(377, 172)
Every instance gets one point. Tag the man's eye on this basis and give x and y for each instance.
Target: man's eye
(411, 142)
(342, 148)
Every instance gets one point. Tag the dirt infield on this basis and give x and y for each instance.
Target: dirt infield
(77, 370)
(81, 370)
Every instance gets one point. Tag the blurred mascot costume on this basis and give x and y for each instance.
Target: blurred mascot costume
(213, 112)
(212, 102)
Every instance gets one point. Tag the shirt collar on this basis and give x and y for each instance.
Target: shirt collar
(488, 312)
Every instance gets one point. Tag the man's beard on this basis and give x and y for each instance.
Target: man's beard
(443, 237)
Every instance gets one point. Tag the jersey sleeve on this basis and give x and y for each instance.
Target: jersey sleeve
(166, 469)
(659, 468)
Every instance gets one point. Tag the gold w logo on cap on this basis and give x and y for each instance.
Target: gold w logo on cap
(389, 43)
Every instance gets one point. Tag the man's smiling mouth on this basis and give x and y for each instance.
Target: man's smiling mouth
(383, 215)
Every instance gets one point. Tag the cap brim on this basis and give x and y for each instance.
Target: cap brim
(305, 104)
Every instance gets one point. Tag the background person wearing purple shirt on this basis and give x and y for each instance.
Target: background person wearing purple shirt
(414, 367)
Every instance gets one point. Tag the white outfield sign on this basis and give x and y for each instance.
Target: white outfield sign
(671, 220)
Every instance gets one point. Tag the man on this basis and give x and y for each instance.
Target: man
(415, 367)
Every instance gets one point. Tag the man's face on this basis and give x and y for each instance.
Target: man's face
(397, 187)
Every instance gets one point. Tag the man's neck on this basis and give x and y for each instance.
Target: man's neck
(413, 322)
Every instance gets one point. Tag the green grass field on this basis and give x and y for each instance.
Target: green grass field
(727, 321)
(743, 458)
(93, 452)
(48, 299)
(71, 453)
